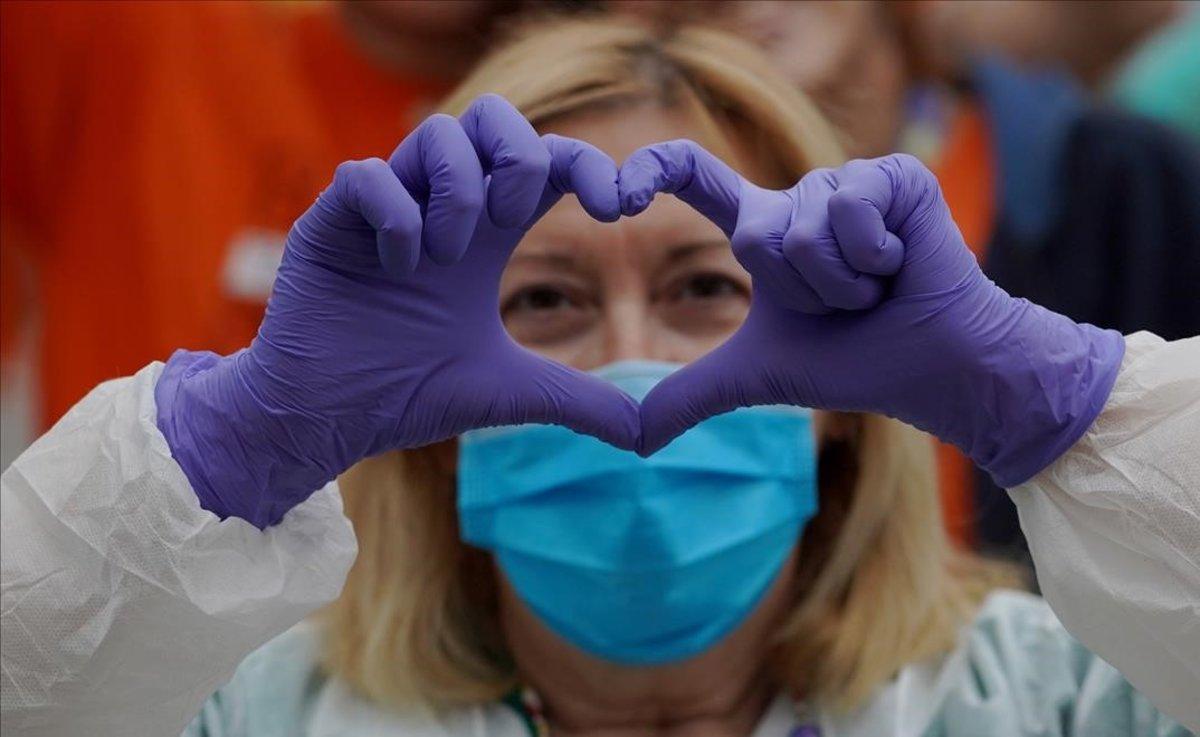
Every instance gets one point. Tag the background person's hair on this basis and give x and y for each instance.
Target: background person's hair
(879, 585)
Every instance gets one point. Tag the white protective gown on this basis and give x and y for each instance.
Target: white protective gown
(124, 606)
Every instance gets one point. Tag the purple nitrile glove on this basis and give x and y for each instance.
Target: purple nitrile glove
(383, 328)
(867, 299)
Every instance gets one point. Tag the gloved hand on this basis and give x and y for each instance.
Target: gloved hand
(867, 299)
(383, 328)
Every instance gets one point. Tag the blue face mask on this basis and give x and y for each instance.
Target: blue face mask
(641, 560)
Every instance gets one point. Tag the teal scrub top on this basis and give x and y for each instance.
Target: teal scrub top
(1016, 672)
(1162, 78)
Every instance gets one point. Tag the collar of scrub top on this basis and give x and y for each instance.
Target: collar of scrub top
(905, 707)
(782, 714)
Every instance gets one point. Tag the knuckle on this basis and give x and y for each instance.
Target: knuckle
(684, 146)
(489, 107)
(640, 164)
(824, 175)
(854, 166)
(347, 178)
(748, 238)
(677, 158)
(553, 142)
(907, 166)
(439, 120)
(851, 212)
(347, 169)
(464, 201)
(373, 168)
(689, 150)
(407, 230)
(908, 161)
(645, 152)
(488, 101)
(376, 164)
(846, 198)
(435, 127)
(535, 162)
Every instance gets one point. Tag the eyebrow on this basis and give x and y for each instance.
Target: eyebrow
(549, 259)
(683, 250)
(565, 258)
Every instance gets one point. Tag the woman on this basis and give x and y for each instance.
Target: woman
(774, 571)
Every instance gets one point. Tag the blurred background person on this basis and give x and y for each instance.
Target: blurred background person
(1161, 78)
(154, 155)
(1142, 54)
(1092, 206)
(1071, 203)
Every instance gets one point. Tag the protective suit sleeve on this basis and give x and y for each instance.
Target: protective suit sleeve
(123, 604)
(1114, 526)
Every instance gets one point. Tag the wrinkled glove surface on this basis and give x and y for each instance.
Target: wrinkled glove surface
(383, 330)
(867, 299)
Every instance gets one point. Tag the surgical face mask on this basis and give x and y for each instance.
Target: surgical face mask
(641, 560)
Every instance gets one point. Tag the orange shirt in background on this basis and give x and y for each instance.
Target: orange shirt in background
(154, 156)
(966, 171)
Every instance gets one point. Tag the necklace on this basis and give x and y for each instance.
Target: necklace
(528, 705)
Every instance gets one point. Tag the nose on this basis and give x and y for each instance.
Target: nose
(627, 330)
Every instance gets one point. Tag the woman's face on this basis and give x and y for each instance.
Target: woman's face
(661, 286)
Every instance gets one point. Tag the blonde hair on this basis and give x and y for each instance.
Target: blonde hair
(879, 584)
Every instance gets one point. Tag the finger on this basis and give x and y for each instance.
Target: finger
(706, 387)
(540, 390)
(864, 193)
(812, 249)
(685, 169)
(511, 152)
(757, 244)
(439, 167)
(579, 167)
(370, 188)
(915, 210)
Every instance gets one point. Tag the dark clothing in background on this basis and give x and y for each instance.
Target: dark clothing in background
(1125, 251)
(1117, 245)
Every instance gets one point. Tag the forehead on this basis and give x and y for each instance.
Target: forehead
(619, 133)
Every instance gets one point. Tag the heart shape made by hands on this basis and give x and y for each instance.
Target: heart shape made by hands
(383, 328)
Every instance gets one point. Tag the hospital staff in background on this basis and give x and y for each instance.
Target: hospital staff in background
(1141, 54)
(775, 570)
